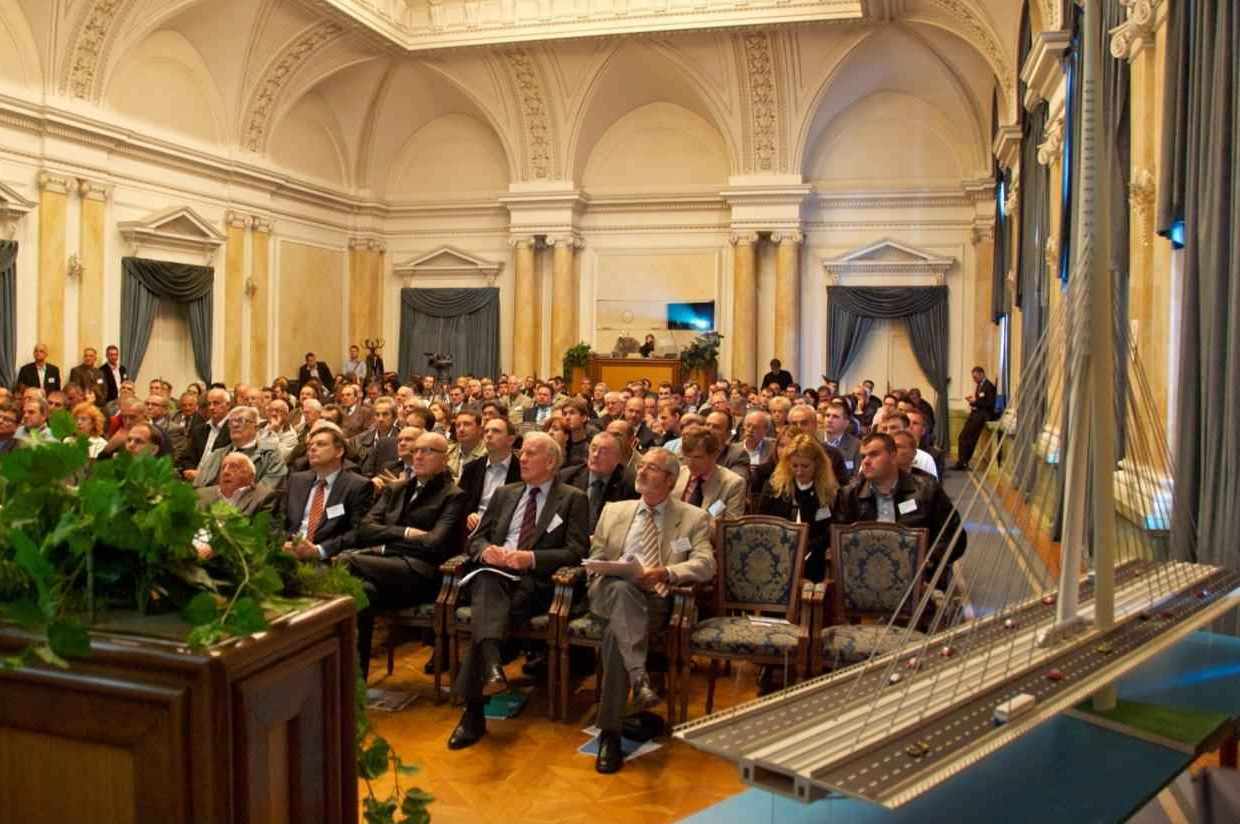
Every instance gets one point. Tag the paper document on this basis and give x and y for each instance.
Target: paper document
(627, 569)
(491, 570)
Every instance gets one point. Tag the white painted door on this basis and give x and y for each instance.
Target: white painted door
(887, 358)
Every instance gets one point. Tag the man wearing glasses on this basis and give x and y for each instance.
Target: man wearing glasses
(243, 437)
(414, 526)
(8, 427)
(671, 541)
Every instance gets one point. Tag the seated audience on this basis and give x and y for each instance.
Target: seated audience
(802, 489)
(34, 419)
(208, 434)
(576, 414)
(897, 421)
(320, 509)
(88, 421)
(243, 437)
(635, 414)
(468, 444)
(357, 415)
(376, 447)
(702, 482)
(540, 410)
(278, 433)
(838, 433)
(8, 427)
(481, 477)
(731, 455)
(603, 477)
(238, 488)
(142, 439)
(804, 419)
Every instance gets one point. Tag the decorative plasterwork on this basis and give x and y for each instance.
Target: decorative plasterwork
(792, 236)
(771, 207)
(762, 103)
(93, 190)
(547, 212)
(52, 182)
(1052, 256)
(1012, 200)
(888, 257)
(1043, 71)
(1050, 149)
(979, 33)
(534, 113)
(177, 228)
(13, 207)
(88, 51)
(447, 261)
(417, 25)
(368, 244)
(1006, 146)
(982, 231)
(1130, 38)
(260, 113)
(1141, 192)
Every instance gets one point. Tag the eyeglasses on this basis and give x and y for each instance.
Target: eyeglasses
(427, 450)
(644, 465)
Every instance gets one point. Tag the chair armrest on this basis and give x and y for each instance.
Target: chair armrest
(454, 565)
(449, 589)
(568, 576)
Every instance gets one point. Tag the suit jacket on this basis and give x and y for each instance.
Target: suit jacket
(645, 437)
(723, 486)
(198, 434)
(735, 458)
(321, 372)
(682, 524)
(620, 486)
(759, 472)
(87, 377)
(374, 451)
(255, 499)
(850, 451)
(438, 510)
(530, 414)
(334, 535)
(565, 545)
(930, 508)
(269, 467)
(984, 398)
(28, 376)
(109, 380)
(357, 422)
(473, 475)
(783, 377)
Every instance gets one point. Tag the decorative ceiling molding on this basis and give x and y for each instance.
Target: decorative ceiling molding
(976, 30)
(260, 113)
(90, 43)
(888, 257)
(762, 141)
(535, 115)
(178, 228)
(447, 261)
(1043, 70)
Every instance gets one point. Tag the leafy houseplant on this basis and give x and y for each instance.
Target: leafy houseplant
(76, 541)
(702, 352)
(576, 357)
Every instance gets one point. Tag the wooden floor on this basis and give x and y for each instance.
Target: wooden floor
(527, 769)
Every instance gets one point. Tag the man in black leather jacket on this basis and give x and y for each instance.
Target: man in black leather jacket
(882, 492)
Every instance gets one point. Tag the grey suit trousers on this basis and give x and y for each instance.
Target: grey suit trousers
(496, 604)
(631, 613)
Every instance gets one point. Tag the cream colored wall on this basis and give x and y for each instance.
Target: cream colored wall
(311, 316)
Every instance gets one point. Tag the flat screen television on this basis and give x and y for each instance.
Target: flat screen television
(696, 317)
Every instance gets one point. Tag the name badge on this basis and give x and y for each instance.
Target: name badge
(908, 506)
(823, 513)
(715, 509)
(555, 523)
(848, 465)
(335, 511)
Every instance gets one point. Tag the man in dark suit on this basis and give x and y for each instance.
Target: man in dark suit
(482, 477)
(778, 375)
(87, 374)
(541, 408)
(529, 531)
(759, 448)
(376, 446)
(323, 506)
(114, 373)
(635, 414)
(603, 477)
(39, 374)
(317, 370)
(732, 455)
(415, 525)
(208, 434)
(806, 420)
(981, 412)
(839, 422)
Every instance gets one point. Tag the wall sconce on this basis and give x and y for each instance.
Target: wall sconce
(75, 267)
(251, 288)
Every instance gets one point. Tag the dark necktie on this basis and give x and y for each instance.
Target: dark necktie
(526, 536)
(693, 492)
(596, 502)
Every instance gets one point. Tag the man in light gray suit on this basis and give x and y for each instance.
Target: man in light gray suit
(671, 540)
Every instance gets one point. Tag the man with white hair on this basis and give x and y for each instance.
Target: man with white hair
(529, 530)
(243, 435)
(237, 487)
(209, 434)
(671, 541)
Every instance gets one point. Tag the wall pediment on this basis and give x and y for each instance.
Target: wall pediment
(13, 207)
(889, 258)
(447, 261)
(179, 228)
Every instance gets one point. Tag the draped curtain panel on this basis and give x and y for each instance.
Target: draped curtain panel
(853, 310)
(1199, 190)
(145, 283)
(463, 323)
(1117, 152)
(8, 312)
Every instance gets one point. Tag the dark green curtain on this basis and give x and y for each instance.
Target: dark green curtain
(463, 323)
(144, 285)
(1198, 190)
(8, 312)
(998, 283)
(923, 308)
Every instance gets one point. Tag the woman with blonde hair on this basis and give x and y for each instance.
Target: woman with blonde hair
(89, 422)
(803, 489)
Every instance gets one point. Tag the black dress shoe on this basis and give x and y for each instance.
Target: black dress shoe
(496, 682)
(610, 755)
(471, 727)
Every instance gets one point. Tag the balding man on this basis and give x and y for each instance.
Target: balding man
(207, 435)
(322, 507)
(604, 477)
(415, 525)
(243, 437)
(530, 530)
(39, 373)
(237, 487)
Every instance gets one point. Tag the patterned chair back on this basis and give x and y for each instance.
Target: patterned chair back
(759, 561)
(872, 566)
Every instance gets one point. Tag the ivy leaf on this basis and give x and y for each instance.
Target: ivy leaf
(200, 610)
(379, 812)
(374, 759)
(69, 640)
(25, 613)
(267, 582)
(32, 561)
(61, 424)
(246, 617)
(413, 808)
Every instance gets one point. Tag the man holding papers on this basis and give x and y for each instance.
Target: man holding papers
(529, 530)
(670, 540)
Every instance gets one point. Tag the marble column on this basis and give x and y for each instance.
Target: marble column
(90, 257)
(527, 307)
(788, 301)
(984, 333)
(745, 306)
(260, 300)
(235, 275)
(53, 204)
(564, 331)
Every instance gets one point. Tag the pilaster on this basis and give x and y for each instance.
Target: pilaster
(90, 260)
(53, 265)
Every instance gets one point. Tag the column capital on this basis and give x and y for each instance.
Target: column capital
(238, 220)
(1136, 33)
(747, 238)
(983, 231)
(1049, 149)
(794, 236)
(92, 190)
(570, 241)
(367, 244)
(51, 182)
(262, 224)
(523, 242)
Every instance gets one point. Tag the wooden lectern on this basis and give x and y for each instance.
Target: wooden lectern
(256, 729)
(617, 372)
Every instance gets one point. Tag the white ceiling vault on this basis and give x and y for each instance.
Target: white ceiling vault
(420, 100)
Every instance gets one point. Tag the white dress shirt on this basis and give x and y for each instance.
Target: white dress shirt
(514, 528)
(492, 479)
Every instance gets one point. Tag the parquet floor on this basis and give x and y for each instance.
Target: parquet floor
(527, 769)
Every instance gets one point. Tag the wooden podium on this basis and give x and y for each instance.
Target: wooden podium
(617, 372)
(256, 730)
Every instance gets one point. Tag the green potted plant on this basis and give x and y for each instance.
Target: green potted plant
(78, 542)
(700, 359)
(576, 361)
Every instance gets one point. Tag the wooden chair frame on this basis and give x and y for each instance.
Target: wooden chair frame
(797, 613)
(398, 622)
